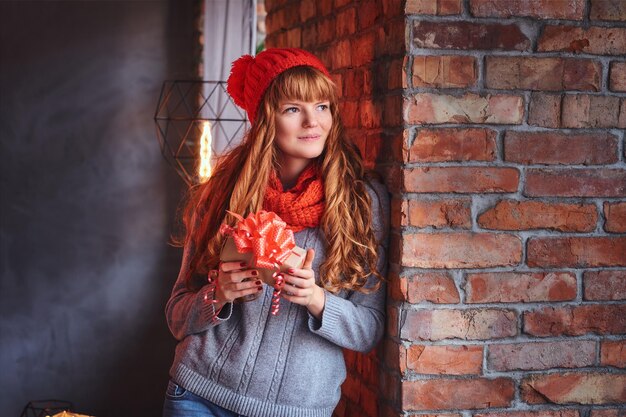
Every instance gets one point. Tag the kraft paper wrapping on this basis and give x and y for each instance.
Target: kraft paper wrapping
(229, 253)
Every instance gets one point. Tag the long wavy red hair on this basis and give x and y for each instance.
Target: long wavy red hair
(240, 177)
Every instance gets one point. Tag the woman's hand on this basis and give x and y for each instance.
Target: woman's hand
(230, 282)
(300, 287)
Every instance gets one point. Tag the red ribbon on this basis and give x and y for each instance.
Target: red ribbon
(269, 238)
(264, 234)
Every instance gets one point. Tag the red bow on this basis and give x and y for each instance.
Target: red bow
(265, 234)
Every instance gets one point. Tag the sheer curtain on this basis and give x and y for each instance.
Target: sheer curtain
(229, 32)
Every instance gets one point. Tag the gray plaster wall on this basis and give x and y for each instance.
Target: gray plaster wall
(87, 202)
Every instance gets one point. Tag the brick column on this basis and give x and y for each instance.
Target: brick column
(499, 127)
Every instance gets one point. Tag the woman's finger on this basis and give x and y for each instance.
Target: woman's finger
(232, 266)
(298, 281)
(308, 260)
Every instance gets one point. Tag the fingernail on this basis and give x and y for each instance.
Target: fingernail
(291, 270)
(258, 283)
(259, 288)
(242, 264)
(255, 273)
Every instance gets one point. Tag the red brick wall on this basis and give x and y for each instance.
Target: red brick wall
(363, 45)
(499, 126)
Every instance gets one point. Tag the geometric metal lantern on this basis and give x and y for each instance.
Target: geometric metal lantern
(182, 112)
(45, 408)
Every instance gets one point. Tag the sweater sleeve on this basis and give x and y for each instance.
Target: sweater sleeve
(188, 311)
(357, 322)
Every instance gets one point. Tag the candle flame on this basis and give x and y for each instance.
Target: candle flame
(204, 172)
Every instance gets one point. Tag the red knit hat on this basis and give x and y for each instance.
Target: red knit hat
(250, 76)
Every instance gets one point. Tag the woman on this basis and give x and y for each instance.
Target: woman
(234, 358)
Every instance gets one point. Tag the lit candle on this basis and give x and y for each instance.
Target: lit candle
(204, 172)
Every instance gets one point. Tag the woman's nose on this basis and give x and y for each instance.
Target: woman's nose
(310, 118)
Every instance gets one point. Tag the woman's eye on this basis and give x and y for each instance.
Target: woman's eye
(323, 106)
(289, 109)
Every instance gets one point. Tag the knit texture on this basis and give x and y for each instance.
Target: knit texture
(290, 365)
(250, 76)
(301, 206)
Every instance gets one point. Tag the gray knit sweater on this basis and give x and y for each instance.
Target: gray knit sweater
(291, 364)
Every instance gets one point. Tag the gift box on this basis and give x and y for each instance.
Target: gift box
(266, 243)
(230, 253)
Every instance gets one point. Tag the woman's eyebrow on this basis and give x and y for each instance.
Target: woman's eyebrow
(297, 103)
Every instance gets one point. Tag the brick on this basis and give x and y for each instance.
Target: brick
(342, 56)
(608, 412)
(594, 40)
(574, 387)
(613, 353)
(545, 110)
(453, 213)
(548, 74)
(307, 10)
(530, 413)
(341, 3)
(350, 113)
(399, 213)
(586, 111)
(615, 214)
(395, 40)
(346, 22)
(392, 322)
(398, 286)
(575, 320)
(444, 394)
(309, 37)
(604, 285)
(460, 250)
(576, 252)
(292, 14)
(445, 360)
(529, 214)
(585, 182)
(541, 355)
(294, 38)
(368, 12)
(324, 7)
(608, 10)
(617, 77)
(363, 48)
(326, 30)
(397, 74)
(560, 148)
(444, 71)
(434, 287)
(390, 387)
(433, 7)
(621, 120)
(461, 179)
(431, 108)
(392, 111)
(515, 287)
(370, 114)
(438, 145)
(541, 9)
(466, 36)
(355, 81)
(470, 324)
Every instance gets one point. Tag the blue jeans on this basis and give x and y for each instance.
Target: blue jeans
(182, 403)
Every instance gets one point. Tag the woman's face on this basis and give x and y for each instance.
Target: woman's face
(302, 128)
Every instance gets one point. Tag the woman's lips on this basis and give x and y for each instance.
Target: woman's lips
(310, 138)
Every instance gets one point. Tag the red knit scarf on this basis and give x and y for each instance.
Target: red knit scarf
(301, 206)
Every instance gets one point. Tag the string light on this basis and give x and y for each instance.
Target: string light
(204, 172)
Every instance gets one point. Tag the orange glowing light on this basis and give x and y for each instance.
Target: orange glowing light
(204, 171)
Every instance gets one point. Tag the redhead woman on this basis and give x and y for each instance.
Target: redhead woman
(235, 358)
